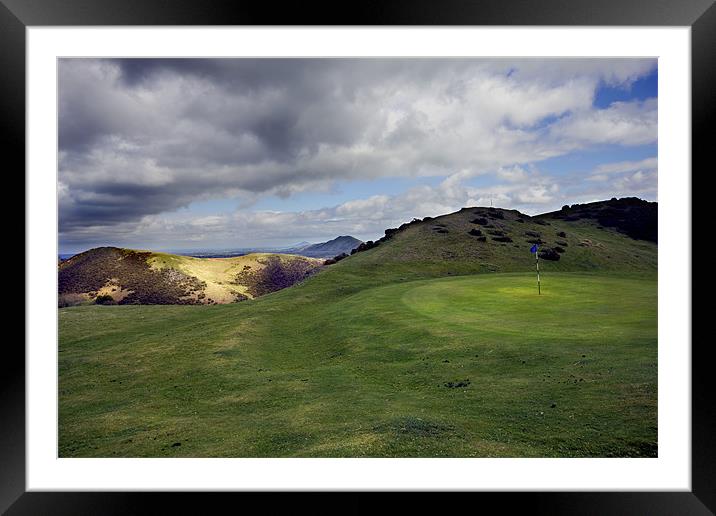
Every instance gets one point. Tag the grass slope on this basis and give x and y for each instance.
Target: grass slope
(369, 375)
(430, 344)
(443, 246)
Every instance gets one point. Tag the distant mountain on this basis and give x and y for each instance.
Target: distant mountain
(342, 244)
(111, 275)
(294, 247)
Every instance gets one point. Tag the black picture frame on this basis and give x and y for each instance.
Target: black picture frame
(16, 15)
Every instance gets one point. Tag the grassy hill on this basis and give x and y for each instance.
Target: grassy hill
(126, 276)
(433, 342)
(483, 240)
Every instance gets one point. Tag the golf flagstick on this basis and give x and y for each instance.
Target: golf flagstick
(534, 250)
(539, 290)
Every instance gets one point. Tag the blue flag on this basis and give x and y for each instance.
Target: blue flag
(534, 249)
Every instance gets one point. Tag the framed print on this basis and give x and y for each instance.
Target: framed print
(419, 249)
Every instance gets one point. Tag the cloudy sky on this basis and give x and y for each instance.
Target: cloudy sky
(173, 154)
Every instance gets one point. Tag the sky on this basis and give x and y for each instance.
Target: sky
(189, 154)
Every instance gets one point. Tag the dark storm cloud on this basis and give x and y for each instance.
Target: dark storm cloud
(140, 137)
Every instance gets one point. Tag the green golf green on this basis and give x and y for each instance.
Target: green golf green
(465, 366)
(579, 307)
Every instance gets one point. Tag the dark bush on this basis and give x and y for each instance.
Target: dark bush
(475, 232)
(535, 241)
(480, 220)
(482, 239)
(496, 232)
(105, 299)
(559, 249)
(563, 244)
(502, 239)
(520, 219)
(549, 254)
(335, 259)
(364, 246)
(456, 384)
(541, 222)
(562, 234)
(532, 234)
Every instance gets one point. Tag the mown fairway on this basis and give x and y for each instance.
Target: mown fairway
(464, 366)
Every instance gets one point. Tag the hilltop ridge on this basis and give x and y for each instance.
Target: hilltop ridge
(473, 240)
(115, 275)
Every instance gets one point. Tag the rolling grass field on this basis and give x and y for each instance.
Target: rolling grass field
(371, 361)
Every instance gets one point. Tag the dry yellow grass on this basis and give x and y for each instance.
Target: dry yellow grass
(219, 273)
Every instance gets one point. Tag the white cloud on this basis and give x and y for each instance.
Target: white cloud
(140, 139)
(627, 166)
(622, 123)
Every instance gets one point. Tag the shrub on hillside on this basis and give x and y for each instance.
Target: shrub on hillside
(630, 215)
(105, 299)
(502, 239)
(365, 246)
(549, 254)
(475, 232)
(562, 234)
(335, 259)
(532, 234)
(480, 220)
